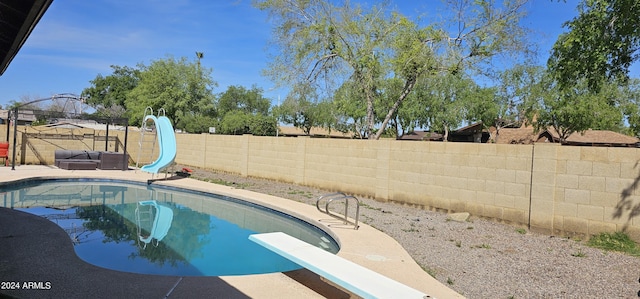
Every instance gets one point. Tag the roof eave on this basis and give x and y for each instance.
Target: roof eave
(36, 12)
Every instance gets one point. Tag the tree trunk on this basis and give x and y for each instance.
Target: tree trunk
(445, 138)
(408, 86)
(370, 117)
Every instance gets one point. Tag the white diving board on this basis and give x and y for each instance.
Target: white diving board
(349, 275)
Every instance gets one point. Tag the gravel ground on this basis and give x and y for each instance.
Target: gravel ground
(480, 258)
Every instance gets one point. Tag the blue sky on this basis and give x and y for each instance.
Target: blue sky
(78, 39)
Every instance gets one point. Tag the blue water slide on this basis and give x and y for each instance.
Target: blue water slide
(161, 222)
(166, 142)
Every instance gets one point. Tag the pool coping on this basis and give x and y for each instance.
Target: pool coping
(366, 246)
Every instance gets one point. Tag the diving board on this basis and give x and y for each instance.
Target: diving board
(349, 275)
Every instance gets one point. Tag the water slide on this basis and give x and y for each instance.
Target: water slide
(166, 142)
(161, 222)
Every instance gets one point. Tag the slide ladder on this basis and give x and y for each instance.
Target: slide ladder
(144, 130)
(156, 219)
(166, 139)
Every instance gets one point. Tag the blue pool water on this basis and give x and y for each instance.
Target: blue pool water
(144, 229)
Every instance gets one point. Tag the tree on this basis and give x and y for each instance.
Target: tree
(304, 110)
(247, 100)
(350, 110)
(409, 113)
(326, 45)
(109, 94)
(446, 100)
(194, 122)
(235, 123)
(181, 87)
(601, 44)
(631, 107)
(517, 88)
(239, 122)
(573, 110)
(245, 111)
(484, 105)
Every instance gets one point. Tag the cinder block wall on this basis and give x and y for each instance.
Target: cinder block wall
(562, 190)
(595, 190)
(553, 189)
(484, 179)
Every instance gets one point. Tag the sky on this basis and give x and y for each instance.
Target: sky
(78, 39)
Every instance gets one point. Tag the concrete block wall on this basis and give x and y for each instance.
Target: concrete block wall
(194, 152)
(484, 179)
(280, 159)
(562, 190)
(596, 190)
(341, 165)
(220, 152)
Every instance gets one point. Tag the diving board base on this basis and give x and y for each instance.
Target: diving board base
(348, 275)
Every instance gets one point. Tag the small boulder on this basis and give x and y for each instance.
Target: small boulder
(459, 217)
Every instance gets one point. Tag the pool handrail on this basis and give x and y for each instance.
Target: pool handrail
(339, 196)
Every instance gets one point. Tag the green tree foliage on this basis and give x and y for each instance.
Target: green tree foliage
(263, 125)
(484, 105)
(193, 122)
(235, 123)
(631, 107)
(326, 44)
(407, 116)
(446, 100)
(507, 104)
(181, 87)
(245, 111)
(588, 85)
(109, 93)
(568, 111)
(601, 44)
(239, 122)
(242, 99)
(350, 110)
(302, 109)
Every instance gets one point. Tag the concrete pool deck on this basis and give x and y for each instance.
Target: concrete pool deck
(32, 249)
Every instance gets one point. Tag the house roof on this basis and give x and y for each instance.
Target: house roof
(526, 135)
(18, 18)
(422, 136)
(597, 137)
(471, 129)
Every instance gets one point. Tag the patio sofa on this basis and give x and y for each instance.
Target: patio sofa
(88, 160)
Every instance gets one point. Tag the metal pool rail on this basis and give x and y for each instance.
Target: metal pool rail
(339, 196)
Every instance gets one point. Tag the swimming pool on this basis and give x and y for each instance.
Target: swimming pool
(138, 228)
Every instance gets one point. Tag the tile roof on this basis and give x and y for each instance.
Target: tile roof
(526, 135)
(597, 137)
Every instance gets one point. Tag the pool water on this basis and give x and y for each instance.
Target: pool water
(159, 230)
